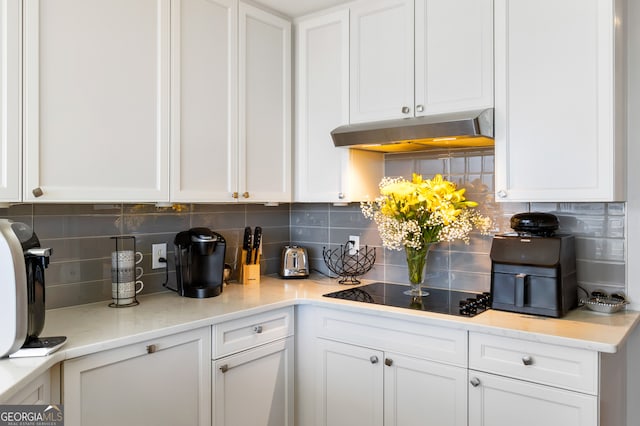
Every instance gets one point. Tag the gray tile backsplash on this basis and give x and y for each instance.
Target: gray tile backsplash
(599, 228)
(79, 234)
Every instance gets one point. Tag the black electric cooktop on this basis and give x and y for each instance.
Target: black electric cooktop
(439, 300)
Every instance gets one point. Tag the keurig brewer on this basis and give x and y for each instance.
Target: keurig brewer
(533, 270)
(199, 254)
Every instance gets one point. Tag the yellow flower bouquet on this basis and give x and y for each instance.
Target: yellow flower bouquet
(415, 214)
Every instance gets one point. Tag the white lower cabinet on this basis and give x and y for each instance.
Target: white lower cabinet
(164, 381)
(253, 370)
(501, 401)
(368, 387)
(38, 391)
(526, 383)
(365, 370)
(255, 387)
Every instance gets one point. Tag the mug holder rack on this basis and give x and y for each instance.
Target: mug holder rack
(120, 243)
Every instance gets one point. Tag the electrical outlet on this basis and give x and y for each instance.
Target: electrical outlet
(158, 251)
(353, 248)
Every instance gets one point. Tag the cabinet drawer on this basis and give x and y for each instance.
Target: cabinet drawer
(569, 368)
(244, 333)
(406, 337)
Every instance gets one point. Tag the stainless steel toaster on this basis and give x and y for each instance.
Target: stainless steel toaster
(294, 262)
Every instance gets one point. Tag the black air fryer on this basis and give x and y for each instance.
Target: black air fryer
(533, 270)
(199, 254)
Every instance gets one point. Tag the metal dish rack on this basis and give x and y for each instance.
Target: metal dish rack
(349, 266)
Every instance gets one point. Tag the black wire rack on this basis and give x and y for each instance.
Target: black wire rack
(349, 266)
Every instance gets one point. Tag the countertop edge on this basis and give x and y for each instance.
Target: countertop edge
(16, 373)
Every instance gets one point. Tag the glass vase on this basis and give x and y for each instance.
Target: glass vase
(417, 264)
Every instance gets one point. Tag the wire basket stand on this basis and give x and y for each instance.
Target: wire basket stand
(121, 242)
(349, 266)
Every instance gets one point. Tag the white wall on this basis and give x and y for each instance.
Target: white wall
(633, 205)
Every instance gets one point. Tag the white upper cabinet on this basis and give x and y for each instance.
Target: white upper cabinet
(96, 83)
(453, 55)
(382, 60)
(323, 172)
(559, 117)
(420, 58)
(265, 106)
(204, 132)
(10, 100)
(231, 103)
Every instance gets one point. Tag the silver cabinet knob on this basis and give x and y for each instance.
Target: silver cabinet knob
(475, 382)
(224, 368)
(373, 359)
(527, 360)
(502, 193)
(341, 196)
(257, 329)
(151, 349)
(406, 110)
(37, 192)
(419, 108)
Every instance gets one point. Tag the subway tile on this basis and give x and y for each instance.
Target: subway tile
(470, 262)
(77, 294)
(601, 249)
(309, 218)
(605, 273)
(349, 219)
(76, 209)
(266, 218)
(399, 167)
(458, 166)
(234, 208)
(61, 273)
(474, 164)
(76, 226)
(155, 223)
(310, 207)
(218, 221)
(76, 249)
(470, 281)
(349, 207)
(305, 234)
(488, 163)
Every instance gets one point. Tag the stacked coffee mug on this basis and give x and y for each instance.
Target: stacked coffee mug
(125, 276)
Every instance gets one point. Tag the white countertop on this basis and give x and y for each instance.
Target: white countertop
(95, 327)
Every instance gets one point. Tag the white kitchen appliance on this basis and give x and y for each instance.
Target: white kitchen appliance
(22, 310)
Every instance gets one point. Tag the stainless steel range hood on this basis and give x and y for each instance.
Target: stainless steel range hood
(460, 129)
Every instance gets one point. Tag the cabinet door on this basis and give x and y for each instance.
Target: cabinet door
(382, 60)
(324, 173)
(265, 106)
(165, 381)
(204, 140)
(558, 129)
(38, 391)
(96, 100)
(500, 401)
(255, 387)
(454, 55)
(10, 100)
(414, 387)
(350, 385)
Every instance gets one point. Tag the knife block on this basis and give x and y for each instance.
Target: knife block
(249, 274)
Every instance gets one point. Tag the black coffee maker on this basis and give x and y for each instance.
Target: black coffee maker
(199, 255)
